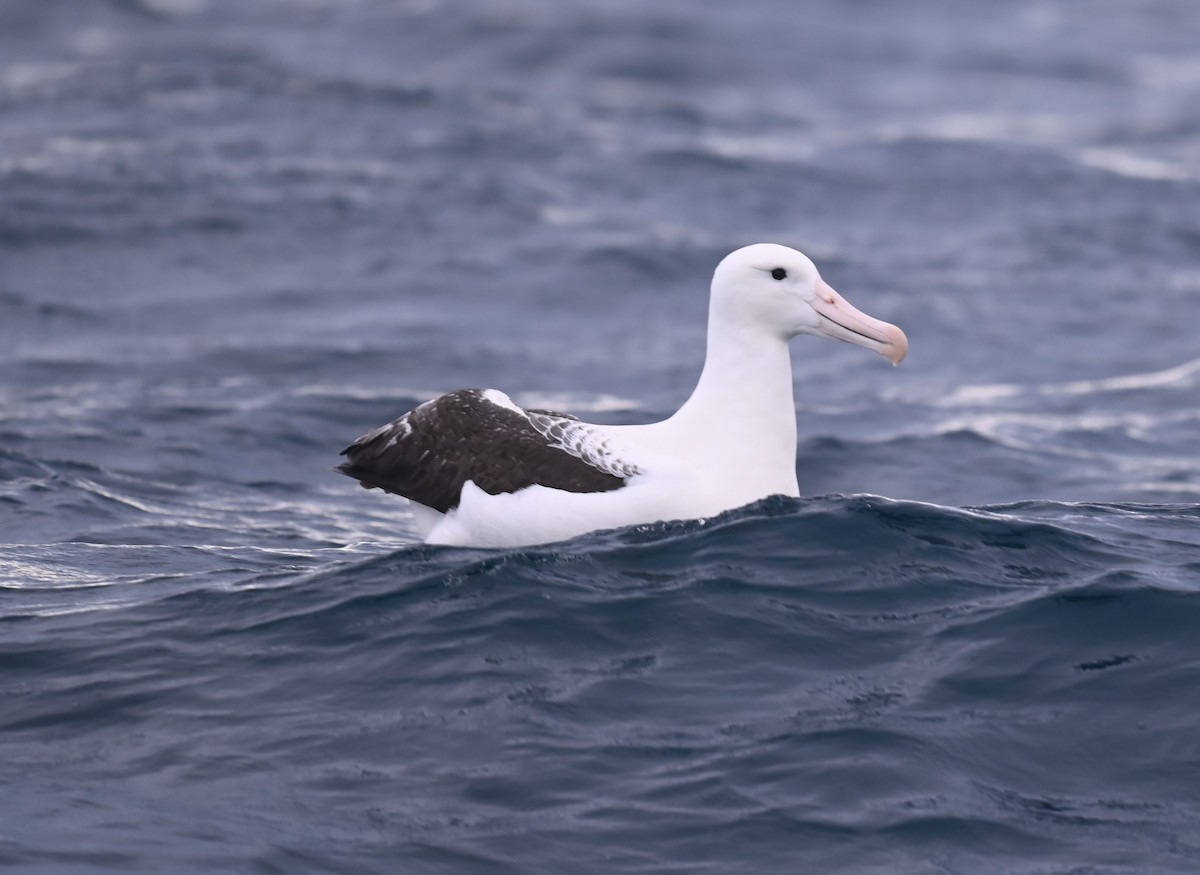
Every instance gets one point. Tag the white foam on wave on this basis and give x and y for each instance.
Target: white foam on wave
(1133, 166)
(1176, 377)
(1180, 376)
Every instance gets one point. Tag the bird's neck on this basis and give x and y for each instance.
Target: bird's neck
(744, 399)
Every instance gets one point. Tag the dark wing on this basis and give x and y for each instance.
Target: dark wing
(430, 452)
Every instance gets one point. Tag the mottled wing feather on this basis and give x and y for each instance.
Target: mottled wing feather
(430, 452)
(580, 439)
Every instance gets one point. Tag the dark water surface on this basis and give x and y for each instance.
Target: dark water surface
(234, 236)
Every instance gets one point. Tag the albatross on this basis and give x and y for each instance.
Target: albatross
(480, 471)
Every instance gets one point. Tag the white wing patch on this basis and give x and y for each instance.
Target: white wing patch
(501, 400)
(403, 429)
(583, 441)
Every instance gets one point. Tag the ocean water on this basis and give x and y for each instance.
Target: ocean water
(233, 237)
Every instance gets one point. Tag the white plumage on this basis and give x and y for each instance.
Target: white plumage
(732, 443)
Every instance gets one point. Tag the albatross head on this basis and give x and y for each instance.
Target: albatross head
(779, 290)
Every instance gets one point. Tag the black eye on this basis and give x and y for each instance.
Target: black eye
(779, 273)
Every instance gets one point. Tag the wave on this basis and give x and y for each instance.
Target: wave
(891, 674)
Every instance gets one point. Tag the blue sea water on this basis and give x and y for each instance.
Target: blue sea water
(235, 236)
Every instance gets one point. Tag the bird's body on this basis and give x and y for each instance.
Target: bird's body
(480, 471)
